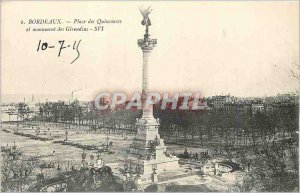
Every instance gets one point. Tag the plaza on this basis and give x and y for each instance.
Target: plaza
(68, 157)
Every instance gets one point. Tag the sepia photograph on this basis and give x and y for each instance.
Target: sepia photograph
(149, 96)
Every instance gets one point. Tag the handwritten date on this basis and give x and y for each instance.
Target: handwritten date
(61, 46)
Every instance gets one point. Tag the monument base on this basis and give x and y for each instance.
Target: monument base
(147, 155)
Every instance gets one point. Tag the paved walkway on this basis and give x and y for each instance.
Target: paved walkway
(188, 179)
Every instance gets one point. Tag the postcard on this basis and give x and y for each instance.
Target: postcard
(149, 96)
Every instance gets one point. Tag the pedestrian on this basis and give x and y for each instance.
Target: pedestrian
(186, 154)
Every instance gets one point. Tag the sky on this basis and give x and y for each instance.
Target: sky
(242, 48)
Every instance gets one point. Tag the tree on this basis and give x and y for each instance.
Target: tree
(15, 170)
(85, 180)
(23, 109)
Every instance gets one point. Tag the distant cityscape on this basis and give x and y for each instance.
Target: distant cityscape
(30, 106)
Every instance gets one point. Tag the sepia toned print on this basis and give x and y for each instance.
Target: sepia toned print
(149, 96)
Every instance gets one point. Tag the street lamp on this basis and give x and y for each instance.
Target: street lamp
(154, 174)
(107, 141)
(137, 168)
(154, 168)
(127, 172)
(83, 156)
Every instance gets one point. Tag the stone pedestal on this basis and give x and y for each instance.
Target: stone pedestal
(147, 154)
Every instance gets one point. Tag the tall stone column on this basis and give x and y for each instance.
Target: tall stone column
(147, 152)
(146, 55)
(147, 46)
(147, 113)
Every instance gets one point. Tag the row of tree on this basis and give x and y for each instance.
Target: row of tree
(177, 125)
